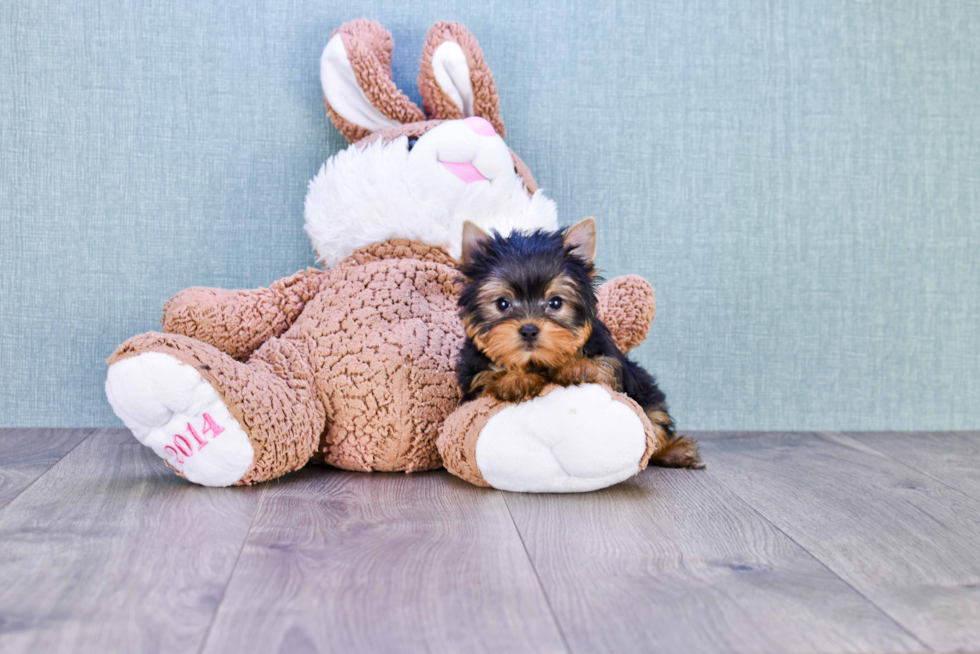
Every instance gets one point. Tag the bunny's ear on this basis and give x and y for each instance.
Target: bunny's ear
(355, 71)
(454, 79)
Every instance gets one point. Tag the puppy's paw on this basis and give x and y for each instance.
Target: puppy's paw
(177, 414)
(511, 385)
(572, 439)
(682, 452)
(586, 370)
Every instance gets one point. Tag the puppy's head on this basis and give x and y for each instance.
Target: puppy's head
(529, 298)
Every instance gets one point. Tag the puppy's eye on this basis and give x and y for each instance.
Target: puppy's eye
(555, 303)
(411, 144)
(503, 304)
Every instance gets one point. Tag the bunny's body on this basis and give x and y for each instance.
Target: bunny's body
(354, 366)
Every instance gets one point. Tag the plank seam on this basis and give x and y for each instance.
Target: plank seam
(234, 568)
(845, 436)
(753, 509)
(537, 577)
(84, 438)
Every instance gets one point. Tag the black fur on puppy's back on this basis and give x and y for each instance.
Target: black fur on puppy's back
(635, 381)
(471, 362)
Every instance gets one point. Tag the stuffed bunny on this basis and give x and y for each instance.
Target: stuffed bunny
(353, 365)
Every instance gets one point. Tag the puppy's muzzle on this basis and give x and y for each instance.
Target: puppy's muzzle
(529, 333)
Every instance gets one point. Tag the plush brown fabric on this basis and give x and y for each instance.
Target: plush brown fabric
(627, 305)
(398, 248)
(369, 47)
(458, 436)
(411, 130)
(215, 316)
(435, 102)
(357, 364)
(524, 173)
(387, 336)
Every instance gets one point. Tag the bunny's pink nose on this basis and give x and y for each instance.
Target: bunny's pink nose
(481, 126)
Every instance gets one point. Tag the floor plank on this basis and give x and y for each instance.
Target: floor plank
(904, 540)
(26, 454)
(351, 562)
(103, 549)
(670, 561)
(110, 552)
(951, 457)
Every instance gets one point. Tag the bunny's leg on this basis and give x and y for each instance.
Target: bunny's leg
(215, 420)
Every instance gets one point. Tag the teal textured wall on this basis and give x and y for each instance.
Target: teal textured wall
(800, 180)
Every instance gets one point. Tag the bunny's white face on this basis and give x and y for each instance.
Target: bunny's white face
(424, 185)
(469, 149)
(421, 190)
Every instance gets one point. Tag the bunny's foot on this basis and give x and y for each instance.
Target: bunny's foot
(570, 439)
(174, 412)
(215, 420)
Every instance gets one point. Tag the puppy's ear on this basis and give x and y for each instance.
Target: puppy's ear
(581, 238)
(472, 236)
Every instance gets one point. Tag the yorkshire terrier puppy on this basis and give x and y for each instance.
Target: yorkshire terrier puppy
(531, 317)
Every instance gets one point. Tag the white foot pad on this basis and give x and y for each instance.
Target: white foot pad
(173, 411)
(571, 440)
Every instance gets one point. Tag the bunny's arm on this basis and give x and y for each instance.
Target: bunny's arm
(238, 322)
(627, 307)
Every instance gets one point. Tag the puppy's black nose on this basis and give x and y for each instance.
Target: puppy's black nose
(529, 332)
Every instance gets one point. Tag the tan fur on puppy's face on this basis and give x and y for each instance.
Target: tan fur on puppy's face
(562, 287)
(558, 339)
(554, 346)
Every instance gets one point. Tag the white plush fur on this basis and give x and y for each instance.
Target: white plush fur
(382, 191)
(571, 440)
(157, 396)
(452, 74)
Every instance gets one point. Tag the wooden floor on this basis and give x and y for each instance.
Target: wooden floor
(788, 542)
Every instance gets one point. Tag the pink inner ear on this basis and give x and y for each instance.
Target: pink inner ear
(465, 171)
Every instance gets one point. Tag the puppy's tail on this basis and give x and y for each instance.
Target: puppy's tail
(679, 451)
